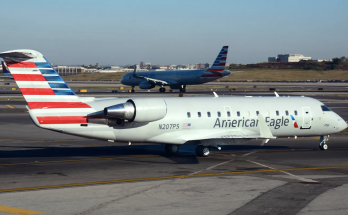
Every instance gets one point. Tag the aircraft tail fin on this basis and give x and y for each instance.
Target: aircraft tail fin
(41, 86)
(220, 61)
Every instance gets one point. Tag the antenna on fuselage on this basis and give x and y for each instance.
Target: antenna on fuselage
(276, 94)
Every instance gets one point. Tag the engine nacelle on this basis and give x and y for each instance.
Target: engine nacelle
(146, 85)
(138, 110)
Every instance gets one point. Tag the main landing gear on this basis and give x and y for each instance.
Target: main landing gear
(182, 88)
(132, 90)
(323, 141)
(202, 151)
(173, 149)
(162, 90)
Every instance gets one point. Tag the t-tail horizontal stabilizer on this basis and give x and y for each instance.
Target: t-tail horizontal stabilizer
(265, 132)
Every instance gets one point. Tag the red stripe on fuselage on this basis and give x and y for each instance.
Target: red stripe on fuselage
(62, 119)
(12, 64)
(37, 91)
(215, 70)
(51, 105)
(28, 77)
(211, 75)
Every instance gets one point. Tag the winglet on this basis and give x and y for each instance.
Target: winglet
(135, 69)
(265, 132)
(276, 94)
(216, 95)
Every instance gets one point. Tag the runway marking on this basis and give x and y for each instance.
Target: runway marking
(295, 176)
(10, 106)
(211, 167)
(87, 159)
(19, 211)
(168, 177)
(49, 141)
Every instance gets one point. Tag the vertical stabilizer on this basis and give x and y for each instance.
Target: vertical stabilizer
(40, 84)
(220, 61)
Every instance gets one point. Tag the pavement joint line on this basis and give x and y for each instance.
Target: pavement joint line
(295, 176)
(10, 106)
(76, 160)
(19, 211)
(50, 141)
(167, 177)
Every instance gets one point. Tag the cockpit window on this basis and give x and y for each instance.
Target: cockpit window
(324, 108)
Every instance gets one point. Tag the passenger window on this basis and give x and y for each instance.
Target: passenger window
(287, 113)
(277, 113)
(295, 112)
(199, 114)
(219, 114)
(257, 113)
(228, 113)
(238, 113)
(208, 114)
(188, 114)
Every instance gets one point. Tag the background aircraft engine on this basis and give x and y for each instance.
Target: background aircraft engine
(138, 110)
(146, 85)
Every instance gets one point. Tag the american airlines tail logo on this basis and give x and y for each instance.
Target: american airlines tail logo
(295, 123)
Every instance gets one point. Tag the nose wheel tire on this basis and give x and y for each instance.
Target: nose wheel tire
(202, 151)
(162, 90)
(172, 149)
(323, 146)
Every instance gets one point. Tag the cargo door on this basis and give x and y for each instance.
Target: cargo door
(307, 115)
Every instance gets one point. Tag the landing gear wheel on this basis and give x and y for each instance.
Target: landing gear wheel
(172, 149)
(323, 146)
(323, 141)
(202, 151)
(162, 90)
(132, 91)
(183, 89)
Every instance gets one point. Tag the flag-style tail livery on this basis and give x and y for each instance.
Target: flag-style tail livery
(220, 62)
(40, 84)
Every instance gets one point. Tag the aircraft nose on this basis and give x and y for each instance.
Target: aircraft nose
(342, 124)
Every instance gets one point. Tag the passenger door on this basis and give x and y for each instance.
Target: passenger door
(307, 115)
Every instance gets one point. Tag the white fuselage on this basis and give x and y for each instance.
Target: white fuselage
(205, 118)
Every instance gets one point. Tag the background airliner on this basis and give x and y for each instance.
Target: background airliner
(178, 79)
(206, 121)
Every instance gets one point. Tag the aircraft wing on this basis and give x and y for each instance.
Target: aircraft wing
(235, 71)
(153, 80)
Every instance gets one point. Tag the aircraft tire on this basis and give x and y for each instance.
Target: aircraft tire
(172, 149)
(202, 151)
(323, 146)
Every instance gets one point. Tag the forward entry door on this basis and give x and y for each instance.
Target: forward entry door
(307, 115)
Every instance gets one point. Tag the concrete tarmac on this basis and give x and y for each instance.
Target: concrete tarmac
(42, 171)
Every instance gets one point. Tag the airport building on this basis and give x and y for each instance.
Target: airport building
(288, 58)
(69, 70)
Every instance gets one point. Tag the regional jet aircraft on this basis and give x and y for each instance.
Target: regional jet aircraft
(206, 121)
(178, 79)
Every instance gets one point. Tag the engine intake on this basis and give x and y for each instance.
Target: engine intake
(138, 110)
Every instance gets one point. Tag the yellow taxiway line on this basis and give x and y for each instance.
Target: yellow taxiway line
(19, 211)
(10, 106)
(167, 177)
(76, 160)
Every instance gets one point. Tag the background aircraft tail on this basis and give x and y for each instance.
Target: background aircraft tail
(5, 71)
(40, 84)
(220, 61)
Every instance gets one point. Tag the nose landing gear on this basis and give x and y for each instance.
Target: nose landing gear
(323, 141)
